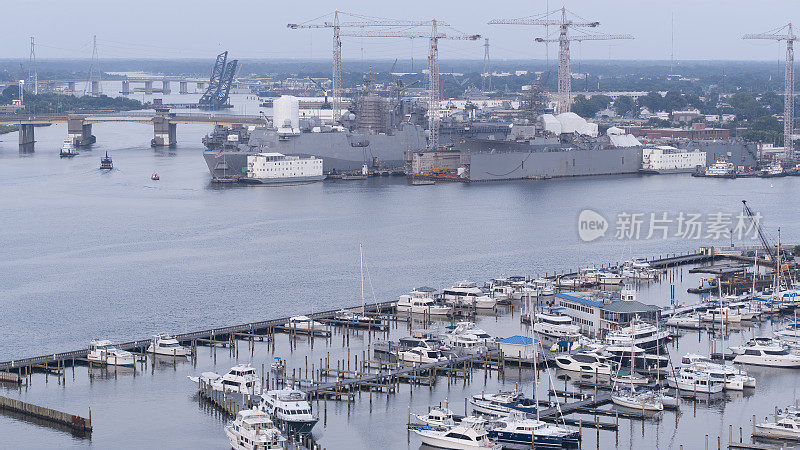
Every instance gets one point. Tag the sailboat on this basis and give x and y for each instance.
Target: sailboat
(644, 401)
(354, 319)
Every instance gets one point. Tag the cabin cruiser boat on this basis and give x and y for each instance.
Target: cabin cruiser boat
(425, 339)
(518, 429)
(757, 341)
(421, 303)
(555, 325)
(421, 355)
(643, 335)
(253, 430)
(164, 344)
(768, 355)
(723, 314)
(358, 320)
(241, 379)
(436, 418)
(641, 359)
(466, 436)
(690, 320)
(466, 344)
(103, 351)
(689, 379)
(786, 427)
(462, 328)
(289, 406)
(468, 294)
(735, 379)
(502, 403)
(67, 149)
(304, 323)
(584, 362)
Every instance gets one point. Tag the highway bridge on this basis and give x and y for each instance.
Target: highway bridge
(79, 126)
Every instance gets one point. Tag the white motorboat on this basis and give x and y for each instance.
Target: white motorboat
(768, 355)
(289, 406)
(691, 321)
(436, 418)
(733, 378)
(502, 403)
(644, 401)
(786, 427)
(421, 355)
(165, 344)
(357, 320)
(757, 341)
(467, 328)
(468, 294)
(466, 436)
(68, 149)
(721, 314)
(241, 378)
(689, 380)
(304, 323)
(518, 429)
(555, 325)
(103, 351)
(253, 430)
(642, 335)
(466, 344)
(420, 302)
(627, 378)
(584, 362)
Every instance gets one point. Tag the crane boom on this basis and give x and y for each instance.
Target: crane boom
(761, 235)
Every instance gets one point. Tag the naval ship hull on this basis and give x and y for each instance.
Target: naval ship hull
(339, 151)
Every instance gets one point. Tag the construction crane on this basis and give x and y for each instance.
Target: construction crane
(434, 36)
(564, 38)
(325, 104)
(334, 23)
(784, 33)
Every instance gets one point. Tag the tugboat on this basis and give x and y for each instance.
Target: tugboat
(106, 163)
(67, 149)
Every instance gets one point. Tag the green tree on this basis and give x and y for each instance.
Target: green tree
(625, 106)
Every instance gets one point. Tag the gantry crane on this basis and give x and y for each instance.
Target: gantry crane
(434, 35)
(784, 33)
(565, 24)
(334, 23)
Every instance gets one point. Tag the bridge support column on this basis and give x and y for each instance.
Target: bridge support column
(80, 133)
(95, 88)
(184, 87)
(148, 87)
(164, 132)
(126, 87)
(70, 86)
(26, 138)
(165, 87)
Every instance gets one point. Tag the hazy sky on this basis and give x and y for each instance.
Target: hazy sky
(703, 29)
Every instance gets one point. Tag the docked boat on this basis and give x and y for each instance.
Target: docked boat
(790, 333)
(421, 355)
(106, 162)
(165, 344)
(304, 323)
(68, 149)
(642, 335)
(241, 379)
(757, 341)
(722, 168)
(733, 378)
(419, 301)
(641, 359)
(518, 429)
(690, 321)
(277, 168)
(103, 351)
(642, 401)
(722, 314)
(689, 380)
(584, 362)
(291, 407)
(357, 320)
(555, 325)
(786, 427)
(768, 355)
(628, 378)
(253, 430)
(466, 436)
(502, 403)
(436, 418)
(468, 294)
(466, 344)
(467, 328)
(154, 177)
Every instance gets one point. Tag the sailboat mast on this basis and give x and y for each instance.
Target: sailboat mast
(361, 256)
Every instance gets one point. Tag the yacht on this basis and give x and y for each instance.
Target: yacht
(785, 427)
(555, 325)
(468, 294)
(304, 323)
(106, 163)
(721, 168)
(67, 149)
(253, 430)
(291, 407)
(103, 351)
(641, 359)
(642, 401)
(790, 333)
(466, 344)
(689, 380)
(690, 320)
(757, 341)
(419, 302)
(518, 429)
(241, 379)
(768, 355)
(466, 436)
(436, 418)
(164, 344)
(722, 314)
(585, 362)
(502, 403)
(733, 378)
(421, 355)
(642, 335)
(463, 328)
(607, 278)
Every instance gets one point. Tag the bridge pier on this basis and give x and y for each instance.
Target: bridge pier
(165, 87)
(164, 132)
(184, 87)
(95, 88)
(26, 138)
(80, 133)
(70, 86)
(148, 87)
(126, 87)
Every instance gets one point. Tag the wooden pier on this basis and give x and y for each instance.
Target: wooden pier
(76, 423)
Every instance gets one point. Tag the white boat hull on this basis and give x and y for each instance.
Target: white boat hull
(633, 403)
(767, 361)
